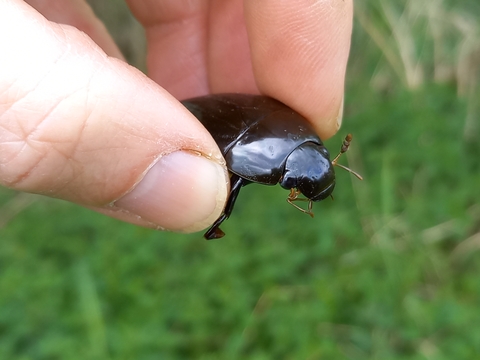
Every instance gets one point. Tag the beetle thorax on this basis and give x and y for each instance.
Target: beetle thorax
(308, 169)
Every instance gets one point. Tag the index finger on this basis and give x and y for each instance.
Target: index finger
(299, 54)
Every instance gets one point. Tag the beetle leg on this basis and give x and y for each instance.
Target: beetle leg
(215, 232)
(293, 196)
(343, 149)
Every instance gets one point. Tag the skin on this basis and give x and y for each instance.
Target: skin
(80, 124)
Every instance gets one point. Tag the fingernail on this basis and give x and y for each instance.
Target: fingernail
(182, 192)
(340, 114)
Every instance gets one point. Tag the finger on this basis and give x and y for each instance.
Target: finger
(78, 125)
(176, 40)
(299, 54)
(229, 64)
(198, 47)
(80, 15)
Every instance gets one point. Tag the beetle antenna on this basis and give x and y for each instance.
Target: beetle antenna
(345, 145)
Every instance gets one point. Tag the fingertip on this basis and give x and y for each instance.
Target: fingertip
(182, 192)
(299, 54)
(326, 127)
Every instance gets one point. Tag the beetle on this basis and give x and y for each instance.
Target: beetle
(264, 141)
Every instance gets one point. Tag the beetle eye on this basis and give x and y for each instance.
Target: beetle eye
(323, 150)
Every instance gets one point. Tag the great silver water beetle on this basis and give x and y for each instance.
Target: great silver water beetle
(266, 142)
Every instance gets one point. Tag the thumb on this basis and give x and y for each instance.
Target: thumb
(78, 125)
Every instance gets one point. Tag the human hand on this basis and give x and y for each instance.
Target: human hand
(86, 127)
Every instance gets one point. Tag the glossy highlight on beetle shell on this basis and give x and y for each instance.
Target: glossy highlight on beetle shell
(255, 133)
(265, 142)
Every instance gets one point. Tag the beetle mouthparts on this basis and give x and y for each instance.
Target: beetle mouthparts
(293, 196)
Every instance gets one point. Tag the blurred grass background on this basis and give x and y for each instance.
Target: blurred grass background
(389, 270)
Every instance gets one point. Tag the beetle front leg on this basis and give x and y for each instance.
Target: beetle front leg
(293, 196)
(215, 232)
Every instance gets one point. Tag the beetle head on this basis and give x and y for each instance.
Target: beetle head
(309, 170)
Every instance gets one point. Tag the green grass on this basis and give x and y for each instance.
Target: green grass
(389, 270)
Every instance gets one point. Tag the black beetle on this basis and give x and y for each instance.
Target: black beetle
(266, 142)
